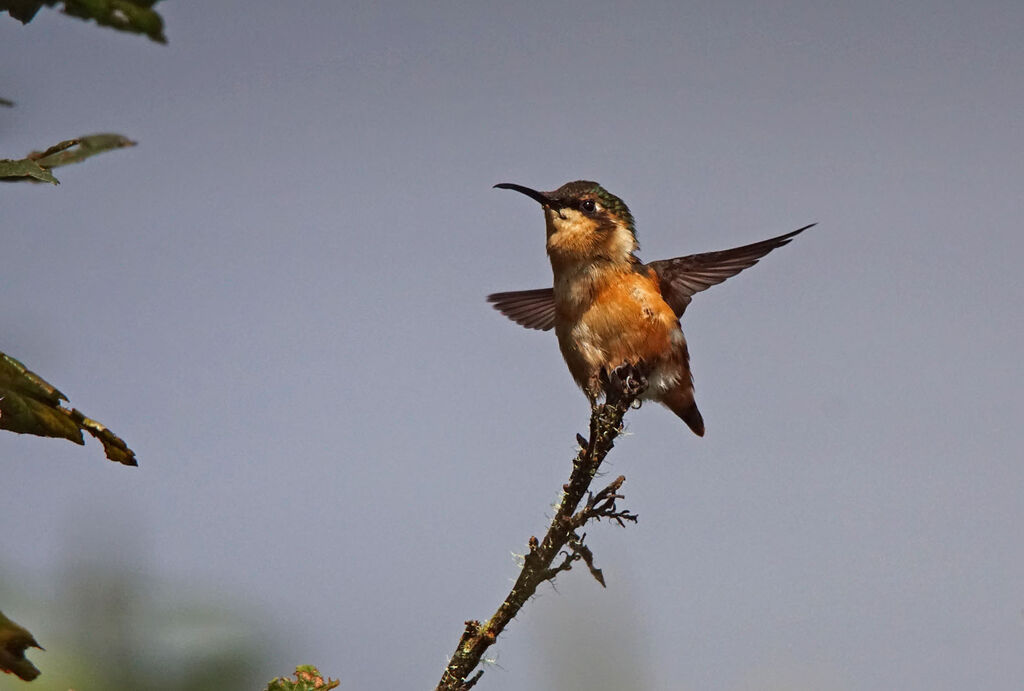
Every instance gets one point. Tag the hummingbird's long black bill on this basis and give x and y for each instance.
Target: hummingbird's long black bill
(532, 194)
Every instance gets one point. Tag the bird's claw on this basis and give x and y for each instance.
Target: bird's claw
(625, 380)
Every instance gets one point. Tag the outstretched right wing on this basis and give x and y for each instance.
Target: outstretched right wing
(534, 309)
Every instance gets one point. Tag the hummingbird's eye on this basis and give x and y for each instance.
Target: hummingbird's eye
(588, 206)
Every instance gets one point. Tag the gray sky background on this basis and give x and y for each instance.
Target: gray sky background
(277, 300)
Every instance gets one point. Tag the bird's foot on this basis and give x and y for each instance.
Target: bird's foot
(625, 381)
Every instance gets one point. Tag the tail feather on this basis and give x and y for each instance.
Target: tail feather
(680, 401)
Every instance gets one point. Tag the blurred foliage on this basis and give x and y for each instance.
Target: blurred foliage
(36, 166)
(307, 678)
(135, 16)
(111, 624)
(30, 405)
(14, 640)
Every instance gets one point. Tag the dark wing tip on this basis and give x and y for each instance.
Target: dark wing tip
(757, 250)
(784, 239)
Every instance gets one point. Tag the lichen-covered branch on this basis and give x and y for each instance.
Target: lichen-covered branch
(562, 542)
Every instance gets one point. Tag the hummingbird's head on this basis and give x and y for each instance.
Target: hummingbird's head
(585, 222)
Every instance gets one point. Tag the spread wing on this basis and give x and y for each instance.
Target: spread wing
(683, 276)
(680, 278)
(534, 309)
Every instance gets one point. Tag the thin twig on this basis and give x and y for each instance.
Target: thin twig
(622, 387)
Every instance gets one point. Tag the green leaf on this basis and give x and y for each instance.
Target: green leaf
(24, 168)
(16, 377)
(30, 405)
(37, 165)
(25, 415)
(77, 150)
(307, 678)
(22, 10)
(134, 16)
(14, 640)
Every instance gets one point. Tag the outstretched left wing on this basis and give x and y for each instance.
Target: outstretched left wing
(683, 276)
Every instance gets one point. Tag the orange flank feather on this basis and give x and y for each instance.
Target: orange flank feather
(618, 315)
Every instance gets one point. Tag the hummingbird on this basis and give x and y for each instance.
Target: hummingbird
(610, 309)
